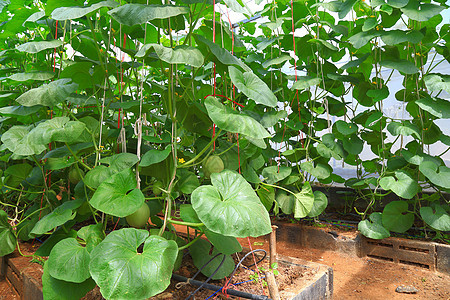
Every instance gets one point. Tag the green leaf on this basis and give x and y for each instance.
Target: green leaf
(69, 261)
(118, 195)
(54, 289)
(361, 39)
(57, 217)
(437, 107)
(402, 184)
(267, 196)
(320, 171)
(319, 205)
(395, 37)
(396, 216)
(222, 55)
(401, 65)
(224, 244)
(436, 83)
(345, 7)
(74, 12)
(15, 174)
(59, 129)
(200, 252)
(8, 239)
(304, 82)
(286, 201)
(397, 3)
(345, 128)
(373, 227)
(405, 128)
(227, 119)
(356, 62)
(35, 47)
(271, 118)
(57, 236)
(324, 43)
(178, 55)
(188, 182)
(436, 217)
(134, 14)
(438, 175)
(253, 87)
(369, 24)
(229, 201)
(11, 111)
(378, 94)
(16, 140)
(330, 148)
(188, 214)
(276, 61)
(304, 201)
(40, 76)
(92, 235)
(154, 156)
(273, 174)
(122, 272)
(421, 11)
(48, 94)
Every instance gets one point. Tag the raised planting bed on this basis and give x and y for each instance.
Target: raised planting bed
(303, 280)
(423, 254)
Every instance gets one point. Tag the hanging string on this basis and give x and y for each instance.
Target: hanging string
(295, 69)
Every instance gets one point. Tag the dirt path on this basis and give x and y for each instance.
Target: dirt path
(363, 278)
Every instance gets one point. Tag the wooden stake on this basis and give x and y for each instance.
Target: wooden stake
(273, 246)
(272, 285)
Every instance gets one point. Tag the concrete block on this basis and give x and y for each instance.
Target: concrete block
(443, 258)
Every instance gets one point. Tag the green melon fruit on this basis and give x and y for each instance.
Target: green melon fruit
(139, 218)
(75, 175)
(213, 164)
(157, 188)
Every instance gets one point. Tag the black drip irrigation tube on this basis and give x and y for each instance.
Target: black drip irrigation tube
(213, 287)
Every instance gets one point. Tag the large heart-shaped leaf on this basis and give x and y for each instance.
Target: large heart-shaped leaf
(8, 239)
(57, 236)
(438, 175)
(405, 128)
(227, 119)
(273, 174)
(134, 14)
(16, 140)
(57, 217)
(178, 55)
(401, 65)
(436, 217)
(271, 118)
(40, 76)
(154, 156)
(201, 254)
(395, 37)
(75, 12)
(59, 129)
(304, 82)
(373, 227)
(276, 61)
(436, 83)
(330, 148)
(285, 201)
(231, 200)
(345, 128)
(304, 201)
(221, 54)
(253, 87)
(54, 289)
(396, 216)
(403, 185)
(224, 244)
(48, 94)
(319, 205)
(118, 195)
(421, 11)
(122, 272)
(69, 261)
(35, 47)
(437, 107)
(320, 171)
